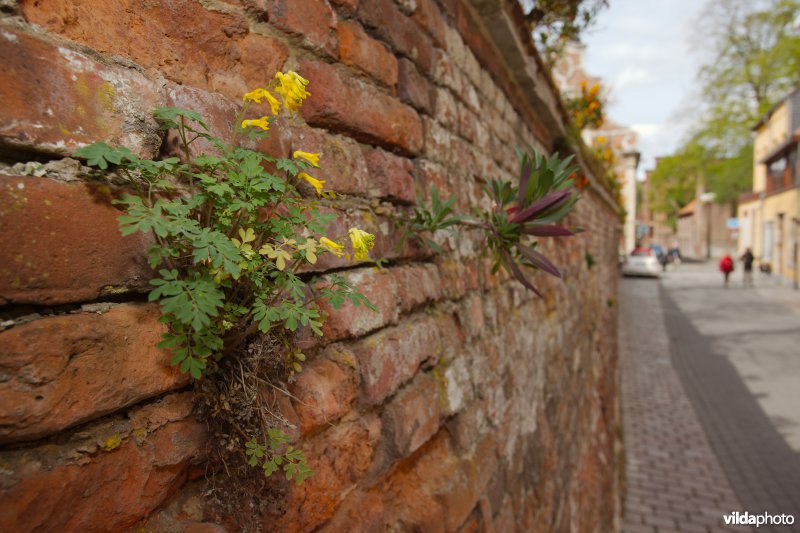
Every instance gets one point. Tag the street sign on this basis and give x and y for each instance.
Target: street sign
(732, 223)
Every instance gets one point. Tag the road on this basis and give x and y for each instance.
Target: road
(711, 400)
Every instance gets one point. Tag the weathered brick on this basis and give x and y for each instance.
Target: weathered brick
(326, 388)
(313, 20)
(412, 417)
(428, 15)
(341, 161)
(417, 284)
(390, 176)
(218, 112)
(437, 140)
(378, 118)
(446, 111)
(392, 356)
(185, 41)
(467, 123)
(403, 34)
(339, 458)
(413, 88)
(380, 287)
(65, 370)
(63, 243)
(359, 50)
(446, 73)
(98, 491)
(56, 99)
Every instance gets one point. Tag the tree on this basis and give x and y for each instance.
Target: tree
(555, 22)
(754, 62)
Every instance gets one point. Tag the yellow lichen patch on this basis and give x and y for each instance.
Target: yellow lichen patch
(106, 95)
(110, 289)
(81, 87)
(112, 442)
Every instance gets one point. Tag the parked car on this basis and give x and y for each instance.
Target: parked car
(642, 262)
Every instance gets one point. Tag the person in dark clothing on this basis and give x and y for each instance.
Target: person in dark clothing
(747, 260)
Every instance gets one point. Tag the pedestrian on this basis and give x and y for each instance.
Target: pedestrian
(747, 260)
(726, 267)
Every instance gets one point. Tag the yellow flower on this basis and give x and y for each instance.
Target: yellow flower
(311, 158)
(333, 247)
(601, 139)
(274, 104)
(255, 95)
(262, 123)
(317, 184)
(292, 87)
(362, 243)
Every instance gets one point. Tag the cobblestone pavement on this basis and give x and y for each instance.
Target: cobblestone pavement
(674, 481)
(737, 352)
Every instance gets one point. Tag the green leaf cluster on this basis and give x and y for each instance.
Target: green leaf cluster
(231, 234)
(278, 454)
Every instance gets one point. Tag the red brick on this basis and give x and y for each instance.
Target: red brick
(413, 88)
(379, 286)
(428, 15)
(350, 6)
(313, 20)
(56, 100)
(64, 244)
(345, 103)
(416, 285)
(339, 458)
(412, 417)
(390, 176)
(325, 389)
(106, 492)
(359, 50)
(392, 356)
(341, 161)
(65, 370)
(184, 41)
(403, 34)
(218, 112)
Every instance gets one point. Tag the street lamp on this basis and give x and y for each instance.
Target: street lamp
(706, 198)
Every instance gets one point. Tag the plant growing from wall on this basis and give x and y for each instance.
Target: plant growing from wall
(233, 240)
(586, 108)
(544, 195)
(232, 235)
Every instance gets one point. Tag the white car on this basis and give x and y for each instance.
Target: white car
(642, 262)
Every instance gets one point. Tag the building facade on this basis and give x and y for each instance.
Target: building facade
(769, 215)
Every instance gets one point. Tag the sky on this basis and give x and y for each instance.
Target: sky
(642, 49)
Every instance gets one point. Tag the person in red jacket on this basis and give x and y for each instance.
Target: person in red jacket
(726, 267)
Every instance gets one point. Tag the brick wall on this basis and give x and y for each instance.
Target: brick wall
(464, 404)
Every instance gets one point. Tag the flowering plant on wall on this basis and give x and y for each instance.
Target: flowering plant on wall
(587, 108)
(232, 234)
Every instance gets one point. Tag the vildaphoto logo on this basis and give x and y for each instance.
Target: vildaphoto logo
(764, 519)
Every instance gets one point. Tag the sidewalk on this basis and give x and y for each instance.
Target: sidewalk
(674, 480)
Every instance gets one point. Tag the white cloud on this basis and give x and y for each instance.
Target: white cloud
(633, 77)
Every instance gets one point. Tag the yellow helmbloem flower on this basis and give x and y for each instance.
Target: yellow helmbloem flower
(311, 158)
(317, 184)
(292, 87)
(262, 123)
(255, 95)
(274, 104)
(333, 247)
(362, 243)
